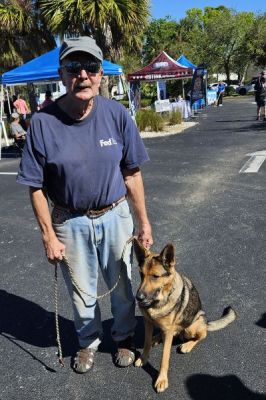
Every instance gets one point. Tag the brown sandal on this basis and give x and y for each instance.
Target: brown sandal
(84, 360)
(125, 354)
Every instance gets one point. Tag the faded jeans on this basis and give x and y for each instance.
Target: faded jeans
(93, 242)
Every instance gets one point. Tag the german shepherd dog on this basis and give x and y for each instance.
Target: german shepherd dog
(169, 301)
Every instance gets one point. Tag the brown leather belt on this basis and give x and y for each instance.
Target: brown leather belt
(95, 212)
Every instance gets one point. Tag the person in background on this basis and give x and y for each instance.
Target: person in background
(84, 153)
(220, 93)
(21, 107)
(17, 132)
(48, 99)
(260, 96)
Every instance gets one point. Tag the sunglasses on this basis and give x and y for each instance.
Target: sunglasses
(75, 67)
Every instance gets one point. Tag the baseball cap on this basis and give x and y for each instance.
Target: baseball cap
(85, 44)
(263, 72)
(15, 115)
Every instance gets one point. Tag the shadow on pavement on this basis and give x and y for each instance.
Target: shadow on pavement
(27, 322)
(262, 321)
(10, 152)
(229, 387)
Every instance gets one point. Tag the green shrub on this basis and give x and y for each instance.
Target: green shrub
(230, 91)
(124, 102)
(149, 120)
(175, 117)
(145, 102)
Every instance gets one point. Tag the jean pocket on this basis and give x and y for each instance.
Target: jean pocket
(60, 217)
(123, 210)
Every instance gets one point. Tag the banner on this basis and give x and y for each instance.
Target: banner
(161, 90)
(198, 88)
(134, 97)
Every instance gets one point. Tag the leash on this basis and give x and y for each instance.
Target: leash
(80, 290)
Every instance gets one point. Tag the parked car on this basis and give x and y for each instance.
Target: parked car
(247, 88)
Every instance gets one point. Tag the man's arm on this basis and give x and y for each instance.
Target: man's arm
(135, 191)
(55, 250)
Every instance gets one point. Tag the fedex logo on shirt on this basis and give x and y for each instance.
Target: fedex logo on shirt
(109, 142)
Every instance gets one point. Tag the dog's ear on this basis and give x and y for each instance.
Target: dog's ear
(167, 257)
(140, 251)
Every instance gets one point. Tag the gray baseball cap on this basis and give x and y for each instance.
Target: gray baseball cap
(85, 44)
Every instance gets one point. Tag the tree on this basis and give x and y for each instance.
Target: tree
(220, 37)
(161, 35)
(114, 24)
(22, 32)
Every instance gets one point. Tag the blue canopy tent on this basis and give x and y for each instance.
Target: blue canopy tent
(41, 69)
(184, 62)
(45, 67)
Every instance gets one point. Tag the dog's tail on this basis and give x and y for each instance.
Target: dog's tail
(229, 315)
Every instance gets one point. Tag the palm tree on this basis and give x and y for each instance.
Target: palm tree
(115, 24)
(22, 33)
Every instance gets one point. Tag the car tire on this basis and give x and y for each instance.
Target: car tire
(242, 91)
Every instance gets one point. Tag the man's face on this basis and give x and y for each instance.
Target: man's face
(80, 83)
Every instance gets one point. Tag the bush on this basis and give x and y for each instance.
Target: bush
(149, 120)
(145, 102)
(175, 117)
(124, 102)
(230, 91)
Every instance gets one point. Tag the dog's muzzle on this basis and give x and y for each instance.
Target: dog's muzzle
(144, 300)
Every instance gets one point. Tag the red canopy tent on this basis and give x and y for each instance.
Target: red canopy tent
(162, 67)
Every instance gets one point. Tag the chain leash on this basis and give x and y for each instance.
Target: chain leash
(80, 290)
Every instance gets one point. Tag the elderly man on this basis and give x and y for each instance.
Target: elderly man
(84, 152)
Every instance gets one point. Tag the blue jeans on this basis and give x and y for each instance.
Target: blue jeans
(93, 242)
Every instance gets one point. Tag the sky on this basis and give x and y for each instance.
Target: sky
(176, 9)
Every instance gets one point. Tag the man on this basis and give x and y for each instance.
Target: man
(260, 96)
(220, 93)
(84, 152)
(17, 132)
(48, 99)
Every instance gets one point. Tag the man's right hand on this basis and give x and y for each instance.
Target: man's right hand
(54, 249)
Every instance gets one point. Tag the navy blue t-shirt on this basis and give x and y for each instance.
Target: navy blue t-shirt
(79, 163)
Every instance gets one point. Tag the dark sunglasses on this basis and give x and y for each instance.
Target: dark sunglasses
(75, 67)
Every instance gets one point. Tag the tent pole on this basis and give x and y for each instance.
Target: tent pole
(2, 102)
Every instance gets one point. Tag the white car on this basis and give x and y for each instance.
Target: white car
(248, 88)
(214, 86)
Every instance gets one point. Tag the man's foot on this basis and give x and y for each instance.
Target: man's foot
(125, 354)
(257, 118)
(84, 360)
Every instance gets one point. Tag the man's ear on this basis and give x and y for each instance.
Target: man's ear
(167, 257)
(60, 73)
(140, 251)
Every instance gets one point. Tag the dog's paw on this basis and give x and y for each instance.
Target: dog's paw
(161, 384)
(185, 347)
(139, 362)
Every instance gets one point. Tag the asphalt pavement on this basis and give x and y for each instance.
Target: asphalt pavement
(215, 216)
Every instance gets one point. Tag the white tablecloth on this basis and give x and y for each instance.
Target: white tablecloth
(183, 106)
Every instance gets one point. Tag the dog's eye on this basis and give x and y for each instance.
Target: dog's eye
(155, 277)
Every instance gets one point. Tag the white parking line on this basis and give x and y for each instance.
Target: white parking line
(254, 163)
(8, 173)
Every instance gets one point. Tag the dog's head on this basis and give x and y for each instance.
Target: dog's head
(156, 273)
